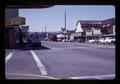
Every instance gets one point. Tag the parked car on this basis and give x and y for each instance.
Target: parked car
(59, 40)
(36, 43)
(102, 40)
(71, 39)
(46, 39)
(107, 40)
(64, 40)
(91, 40)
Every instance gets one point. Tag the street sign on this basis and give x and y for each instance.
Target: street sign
(24, 28)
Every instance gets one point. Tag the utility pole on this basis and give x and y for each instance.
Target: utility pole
(45, 32)
(65, 26)
(45, 28)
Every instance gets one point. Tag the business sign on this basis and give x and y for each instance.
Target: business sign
(15, 21)
(24, 28)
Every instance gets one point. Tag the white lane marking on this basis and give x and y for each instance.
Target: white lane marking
(9, 56)
(32, 75)
(39, 63)
(95, 77)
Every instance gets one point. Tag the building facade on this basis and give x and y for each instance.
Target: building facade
(94, 29)
(91, 27)
(12, 27)
(108, 26)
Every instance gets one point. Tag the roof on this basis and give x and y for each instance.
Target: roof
(90, 21)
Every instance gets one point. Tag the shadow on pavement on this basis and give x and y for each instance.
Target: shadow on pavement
(41, 47)
(32, 47)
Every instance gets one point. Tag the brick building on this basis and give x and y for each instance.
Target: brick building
(107, 26)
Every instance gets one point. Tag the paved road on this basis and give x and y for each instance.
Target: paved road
(59, 60)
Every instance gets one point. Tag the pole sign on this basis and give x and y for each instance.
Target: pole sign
(24, 28)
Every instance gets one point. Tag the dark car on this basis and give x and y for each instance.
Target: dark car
(36, 43)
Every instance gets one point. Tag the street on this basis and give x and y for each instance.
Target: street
(60, 60)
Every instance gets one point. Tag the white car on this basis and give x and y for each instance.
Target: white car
(102, 40)
(107, 40)
(59, 40)
(71, 40)
(91, 41)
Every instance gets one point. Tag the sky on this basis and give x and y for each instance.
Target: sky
(53, 18)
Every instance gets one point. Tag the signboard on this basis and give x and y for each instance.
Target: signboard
(24, 28)
(15, 21)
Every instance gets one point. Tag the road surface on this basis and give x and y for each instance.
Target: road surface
(60, 60)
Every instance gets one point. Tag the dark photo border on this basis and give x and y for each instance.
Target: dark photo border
(50, 3)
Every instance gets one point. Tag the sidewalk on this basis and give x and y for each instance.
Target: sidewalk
(84, 44)
(93, 44)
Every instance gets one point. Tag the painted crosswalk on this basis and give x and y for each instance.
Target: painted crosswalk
(9, 56)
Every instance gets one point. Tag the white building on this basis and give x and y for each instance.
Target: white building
(78, 28)
(96, 31)
(88, 32)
